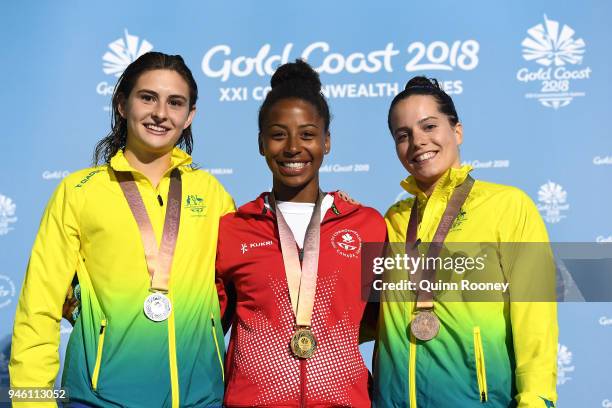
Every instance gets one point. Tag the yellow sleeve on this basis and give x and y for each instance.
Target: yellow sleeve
(34, 352)
(533, 310)
(227, 203)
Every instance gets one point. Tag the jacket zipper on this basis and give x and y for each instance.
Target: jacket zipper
(302, 383)
(96, 371)
(214, 334)
(481, 373)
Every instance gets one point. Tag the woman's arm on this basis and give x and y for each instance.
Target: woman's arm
(34, 353)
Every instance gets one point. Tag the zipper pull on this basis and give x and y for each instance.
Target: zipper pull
(483, 397)
(159, 199)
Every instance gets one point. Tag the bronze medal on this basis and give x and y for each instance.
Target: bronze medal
(425, 325)
(303, 343)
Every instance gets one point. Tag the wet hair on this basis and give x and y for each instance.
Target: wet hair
(420, 85)
(295, 80)
(116, 139)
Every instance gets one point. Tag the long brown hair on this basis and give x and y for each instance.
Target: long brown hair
(106, 148)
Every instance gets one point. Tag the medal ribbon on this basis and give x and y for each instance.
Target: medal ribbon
(424, 299)
(159, 259)
(302, 280)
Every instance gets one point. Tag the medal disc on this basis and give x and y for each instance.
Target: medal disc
(303, 343)
(157, 307)
(425, 325)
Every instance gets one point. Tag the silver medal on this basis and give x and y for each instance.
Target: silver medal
(157, 307)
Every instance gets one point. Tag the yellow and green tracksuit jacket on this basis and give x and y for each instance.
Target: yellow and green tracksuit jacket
(116, 356)
(496, 354)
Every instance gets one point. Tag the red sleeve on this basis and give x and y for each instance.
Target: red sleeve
(369, 320)
(225, 287)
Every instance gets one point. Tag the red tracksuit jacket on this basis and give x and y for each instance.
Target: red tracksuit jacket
(260, 368)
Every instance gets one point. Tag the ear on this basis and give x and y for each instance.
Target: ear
(459, 133)
(121, 105)
(260, 143)
(327, 142)
(190, 117)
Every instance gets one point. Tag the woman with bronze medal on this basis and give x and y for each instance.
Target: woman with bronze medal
(436, 352)
(148, 332)
(289, 265)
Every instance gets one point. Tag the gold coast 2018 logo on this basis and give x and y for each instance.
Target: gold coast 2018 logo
(559, 58)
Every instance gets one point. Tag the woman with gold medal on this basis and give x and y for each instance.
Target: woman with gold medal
(436, 353)
(289, 265)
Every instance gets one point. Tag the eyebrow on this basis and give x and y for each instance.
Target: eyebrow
(156, 94)
(286, 127)
(407, 128)
(427, 118)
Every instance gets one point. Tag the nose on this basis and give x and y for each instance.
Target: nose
(418, 139)
(293, 146)
(160, 112)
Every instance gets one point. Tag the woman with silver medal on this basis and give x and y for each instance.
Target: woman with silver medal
(431, 352)
(289, 265)
(147, 328)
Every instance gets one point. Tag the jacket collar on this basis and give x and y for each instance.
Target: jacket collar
(179, 158)
(258, 207)
(445, 186)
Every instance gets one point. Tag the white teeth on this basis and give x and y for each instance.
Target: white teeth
(424, 156)
(156, 128)
(294, 165)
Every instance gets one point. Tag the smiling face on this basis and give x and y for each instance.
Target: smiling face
(157, 111)
(425, 141)
(293, 139)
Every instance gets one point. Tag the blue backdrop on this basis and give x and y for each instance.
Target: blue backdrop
(531, 82)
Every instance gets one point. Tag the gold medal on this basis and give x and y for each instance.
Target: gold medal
(303, 343)
(425, 325)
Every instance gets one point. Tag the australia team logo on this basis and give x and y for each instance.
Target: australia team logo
(195, 204)
(7, 214)
(347, 243)
(552, 200)
(556, 57)
(7, 291)
(564, 364)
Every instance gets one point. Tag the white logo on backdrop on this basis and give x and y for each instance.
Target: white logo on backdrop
(564, 361)
(553, 46)
(220, 171)
(553, 200)
(54, 174)
(123, 52)
(601, 238)
(7, 214)
(599, 160)
(488, 164)
(550, 43)
(345, 168)
(606, 403)
(7, 291)
(220, 62)
(605, 321)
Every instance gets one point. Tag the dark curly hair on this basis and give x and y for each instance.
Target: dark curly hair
(296, 80)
